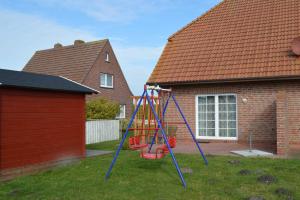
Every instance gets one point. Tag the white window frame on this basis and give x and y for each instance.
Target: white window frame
(124, 115)
(105, 80)
(107, 57)
(216, 137)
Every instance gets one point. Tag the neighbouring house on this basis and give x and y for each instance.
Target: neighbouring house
(235, 74)
(42, 121)
(90, 63)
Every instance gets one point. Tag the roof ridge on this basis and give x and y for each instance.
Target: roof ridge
(72, 45)
(198, 18)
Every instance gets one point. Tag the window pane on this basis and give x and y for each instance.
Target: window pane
(223, 132)
(202, 100)
(222, 116)
(210, 108)
(122, 111)
(202, 124)
(222, 107)
(210, 132)
(222, 99)
(231, 99)
(102, 79)
(211, 100)
(202, 116)
(231, 107)
(231, 132)
(107, 57)
(210, 124)
(222, 124)
(231, 124)
(109, 80)
(202, 132)
(232, 116)
(210, 116)
(202, 108)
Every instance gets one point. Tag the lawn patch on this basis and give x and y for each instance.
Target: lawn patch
(283, 192)
(134, 178)
(267, 179)
(234, 162)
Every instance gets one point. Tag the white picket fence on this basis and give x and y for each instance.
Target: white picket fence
(101, 130)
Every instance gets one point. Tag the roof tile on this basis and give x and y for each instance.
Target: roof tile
(73, 61)
(237, 39)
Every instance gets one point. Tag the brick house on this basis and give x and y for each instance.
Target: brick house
(234, 72)
(93, 64)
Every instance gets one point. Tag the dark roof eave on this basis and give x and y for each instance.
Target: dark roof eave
(47, 89)
(251, 79)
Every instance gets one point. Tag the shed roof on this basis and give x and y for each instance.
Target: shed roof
(10, 78)
(236, 40)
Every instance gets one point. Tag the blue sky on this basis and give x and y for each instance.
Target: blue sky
(137, 29)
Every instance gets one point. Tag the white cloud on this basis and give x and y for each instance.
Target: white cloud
(24, 34)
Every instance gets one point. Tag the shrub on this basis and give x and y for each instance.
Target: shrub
(123, 124)
(102, 109)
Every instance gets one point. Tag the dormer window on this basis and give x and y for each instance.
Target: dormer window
(107, 57)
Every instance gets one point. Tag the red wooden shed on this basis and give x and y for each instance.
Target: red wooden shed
(42, 120)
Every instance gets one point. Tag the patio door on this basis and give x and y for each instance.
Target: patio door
(216, 116)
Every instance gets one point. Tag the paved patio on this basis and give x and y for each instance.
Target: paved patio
(217, 148)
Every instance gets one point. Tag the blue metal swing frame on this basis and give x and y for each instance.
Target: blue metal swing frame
(171, 96)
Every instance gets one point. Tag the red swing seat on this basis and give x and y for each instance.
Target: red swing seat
(161, 151)
(135, 144)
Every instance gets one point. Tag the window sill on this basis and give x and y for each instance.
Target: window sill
(216, 138)
(107, 87)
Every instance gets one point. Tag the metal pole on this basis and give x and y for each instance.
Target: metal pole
(250, 142)
(189, 128)
(124, 137)
(167, 143)
(164, 111)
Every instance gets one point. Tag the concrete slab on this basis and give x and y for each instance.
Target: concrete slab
(92, 153)
(252, 153)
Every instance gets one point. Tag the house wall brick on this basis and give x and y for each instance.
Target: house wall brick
(40, 126)
(120, 92)
(257, 116)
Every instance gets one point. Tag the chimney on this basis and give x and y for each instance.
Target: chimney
(78, 42)
(58, 45)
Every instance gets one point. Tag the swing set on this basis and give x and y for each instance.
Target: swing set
(150, 127)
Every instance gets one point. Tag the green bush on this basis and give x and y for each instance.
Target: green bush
(123, 124)
(102, 109)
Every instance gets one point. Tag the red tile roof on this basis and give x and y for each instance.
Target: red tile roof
(237, 39)
(73, 61)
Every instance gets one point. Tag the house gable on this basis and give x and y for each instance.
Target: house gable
(120, 92)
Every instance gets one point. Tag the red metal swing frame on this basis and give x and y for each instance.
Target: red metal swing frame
(144, 124)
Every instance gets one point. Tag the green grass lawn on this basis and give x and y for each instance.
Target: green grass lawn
(135, 178)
